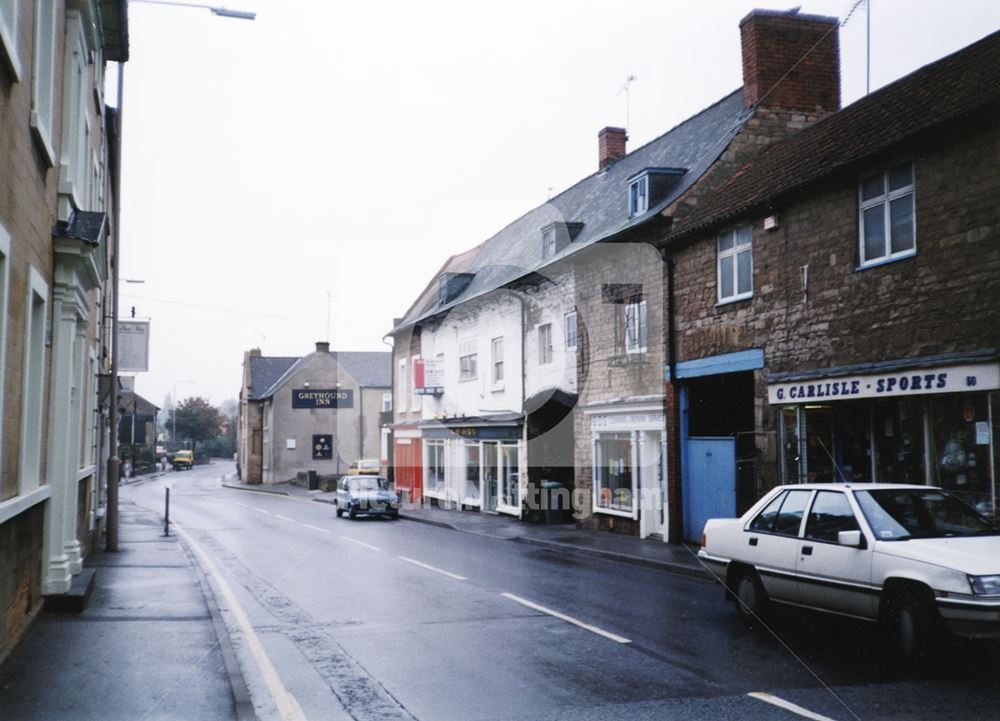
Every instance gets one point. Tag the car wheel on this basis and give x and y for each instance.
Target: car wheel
(914, 627)
(340, 512)
(751, 598)
(352, 513)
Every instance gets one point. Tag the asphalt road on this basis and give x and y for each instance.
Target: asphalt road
(378, 619)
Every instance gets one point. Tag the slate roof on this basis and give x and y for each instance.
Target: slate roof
(264, 371)
(130, 401)
(946, 90)
(371, 369)
(599, 202)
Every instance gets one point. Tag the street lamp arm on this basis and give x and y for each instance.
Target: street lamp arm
(215, 9)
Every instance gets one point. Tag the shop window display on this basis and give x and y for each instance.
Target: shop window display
(960, 436)
(434, 472)
(614, 478)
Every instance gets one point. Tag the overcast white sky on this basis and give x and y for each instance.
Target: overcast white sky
(351, 147)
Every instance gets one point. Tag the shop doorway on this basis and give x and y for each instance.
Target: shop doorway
(652, 485)
(709, 483)
(490, 485)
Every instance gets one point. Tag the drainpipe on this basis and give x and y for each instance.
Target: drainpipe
(111, 538)
(674, 533)
(361, 422)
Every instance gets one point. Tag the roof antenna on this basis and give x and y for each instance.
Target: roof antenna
(625, 88)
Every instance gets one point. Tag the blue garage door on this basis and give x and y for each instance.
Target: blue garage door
(709, 486)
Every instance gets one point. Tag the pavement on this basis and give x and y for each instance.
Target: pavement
(149, 646)
(564, 537)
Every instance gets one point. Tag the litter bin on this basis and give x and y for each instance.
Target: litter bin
(313, 484)
(555, 502)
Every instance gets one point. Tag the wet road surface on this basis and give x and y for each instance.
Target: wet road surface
(379, 619)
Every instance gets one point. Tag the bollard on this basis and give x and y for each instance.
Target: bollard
(166, 514)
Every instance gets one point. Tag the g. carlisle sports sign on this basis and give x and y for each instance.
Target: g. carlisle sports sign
(318, 398)
(953, 379)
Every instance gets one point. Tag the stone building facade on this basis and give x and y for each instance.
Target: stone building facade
(627, 427)
(317, 413)
(866, 346)
(57, 195)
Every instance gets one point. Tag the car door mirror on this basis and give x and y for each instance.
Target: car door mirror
(849, 538)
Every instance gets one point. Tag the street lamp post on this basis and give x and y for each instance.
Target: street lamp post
(114, 462)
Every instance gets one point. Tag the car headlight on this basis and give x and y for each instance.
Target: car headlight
(985, 585)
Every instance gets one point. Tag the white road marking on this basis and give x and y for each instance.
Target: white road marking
(285, 518)
(361, 543)
(316, 528)
(261, 510)
(449, 574)
(287, 706)
(242, 505)
(568, 619)
(788, 706)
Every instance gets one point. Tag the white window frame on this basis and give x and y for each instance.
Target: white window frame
(33, 382)
(739, 247)
(468, 360)
(545, 348)
(598, 459)
(415, 398)
(401, 387)
(387, 402)
(8, 37)
(496, 369)
(885, 200)
(43, 86)
(570, 329)
(636, 327)
(75, 153)
(638, 196)
(436, 491)
(548, 242)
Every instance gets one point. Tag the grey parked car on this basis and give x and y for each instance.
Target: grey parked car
(371, 495)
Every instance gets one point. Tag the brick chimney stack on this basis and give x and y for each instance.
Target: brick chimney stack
(610, 146)
(791, 61)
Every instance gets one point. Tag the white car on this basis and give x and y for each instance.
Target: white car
(910, 557)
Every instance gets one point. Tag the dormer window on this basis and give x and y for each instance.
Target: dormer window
(452, 285)
(548, 241)
(651, 186)
(638, 196)
(556, 236)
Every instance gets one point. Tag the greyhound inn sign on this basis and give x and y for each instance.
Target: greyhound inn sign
(319, 398)
(951, 379)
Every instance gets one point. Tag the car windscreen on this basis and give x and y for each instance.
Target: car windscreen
(901, 514)
(369, 484)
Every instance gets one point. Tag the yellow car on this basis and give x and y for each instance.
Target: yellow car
(364, 467)
(183, 459)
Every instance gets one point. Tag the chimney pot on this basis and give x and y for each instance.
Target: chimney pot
(610, 146)
(322, 347)
(791, 61)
